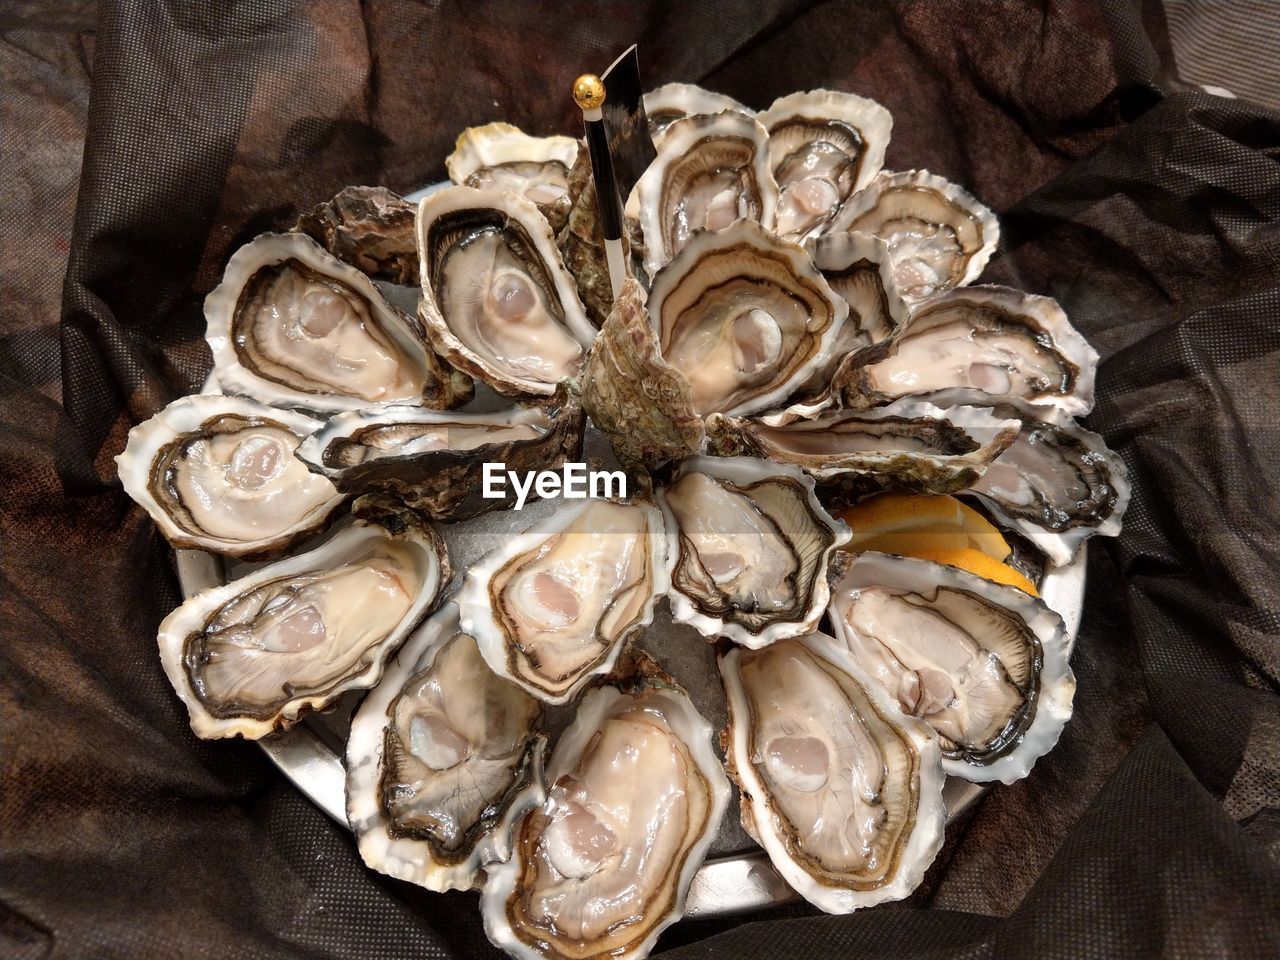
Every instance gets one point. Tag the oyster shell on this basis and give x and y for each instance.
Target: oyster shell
(1058, 484)
(746, 317)
(438, 751)
(983, 663)
(977, 345)
(859, 268)
(255, 654)
(370, 228)
(634, 397)
(824, 146)
(501, 156)
(910, 445)
(292, 325)
(555, 606)
(709, 172)
(496, 299)
(675, 101)
(433, 460)
(217, 473)
(842, 790)
(939, 236)
(750, 548)
(598, 870)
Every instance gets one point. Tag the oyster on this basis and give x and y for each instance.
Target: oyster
(1057, 485)
(710, 171)
(746, 317)
(824, 146)
(635, 398)
(556, 605)
(978, 345)
(675, 101)
(750, 548)
(496, 299)
(983, 663)
(292, 325)
(438, 751)
(939, 236)
(217, 473)
(370, 228)
(255, 654)
(858, 267)
(842, 790)
(500, 156)
(635, 796)
(910, 444)
(433, 460)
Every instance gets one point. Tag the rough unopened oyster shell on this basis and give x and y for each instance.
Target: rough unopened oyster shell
(555, 606)
(218, 473)
(635, 795)
(750, 547)
(497, 301)
(842, 790)
(437, 754)
(939, 236)
(292, 325)
(709, 172)
(977, 345)
(824, 147)
(983, 663)
(370, 228)
(254, 655)
(501, 156)
(1057, 484)
(434, 460)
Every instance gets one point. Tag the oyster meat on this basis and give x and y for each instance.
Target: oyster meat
(750, 548)
(978, 345)
(635, 795)
(1058, 484)
(433, 460)
(555, 606)
(501, 156)
(910, 445)
(255, 654)
(982, 663)
(438, 751)
(842, 790)
(939, 236)
(710, 171)
(218, 473)
(292, 325)
(824, 146)
(497, 301)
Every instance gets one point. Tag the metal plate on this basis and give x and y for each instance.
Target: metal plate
(737, 875)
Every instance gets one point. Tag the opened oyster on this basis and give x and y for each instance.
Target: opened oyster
(635, 796)
(292, 325)
(500, 156)
(909, 445)
(824, 146)
(254, 655)
(710, 171)
(555, 606)
(750, 548)
(1057, 484)
(982, 663)
(842, 790)
(218, 473)
(675, 101)
(433, 460)
(438, 751)
(497, 301)
(978, 345)
(939, 236)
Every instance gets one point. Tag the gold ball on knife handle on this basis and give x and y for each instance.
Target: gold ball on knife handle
(588, 91)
